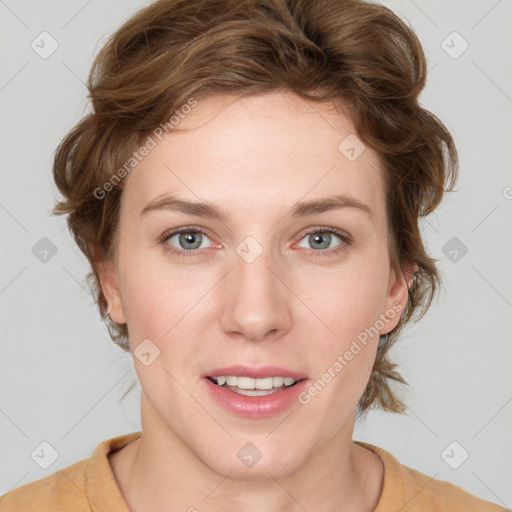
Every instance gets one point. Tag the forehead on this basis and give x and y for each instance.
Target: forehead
(254, 152)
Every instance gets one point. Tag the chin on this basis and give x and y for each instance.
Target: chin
(251, 463)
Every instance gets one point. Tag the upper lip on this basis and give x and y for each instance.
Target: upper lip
(255, 373)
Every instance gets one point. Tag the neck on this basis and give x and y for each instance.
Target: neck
(159, 468)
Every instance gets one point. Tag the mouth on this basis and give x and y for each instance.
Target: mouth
(249, 386)
(266, 393)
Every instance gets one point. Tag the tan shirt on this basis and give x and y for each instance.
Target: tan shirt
(89, 485)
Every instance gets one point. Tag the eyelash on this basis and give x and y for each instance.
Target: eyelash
(345, 241)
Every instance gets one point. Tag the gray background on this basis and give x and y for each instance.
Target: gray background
(62, 378)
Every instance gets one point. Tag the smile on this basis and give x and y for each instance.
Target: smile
(254, 398)
(248, 386)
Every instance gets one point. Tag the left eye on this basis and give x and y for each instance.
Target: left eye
(322, 238)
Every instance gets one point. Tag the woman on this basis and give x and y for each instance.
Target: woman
(247, 191)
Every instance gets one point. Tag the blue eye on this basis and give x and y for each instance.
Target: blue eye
(189, 240)
(321, 238)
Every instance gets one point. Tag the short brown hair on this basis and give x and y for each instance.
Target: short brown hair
(353, 52)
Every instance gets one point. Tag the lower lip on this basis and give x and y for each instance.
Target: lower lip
(256, 406)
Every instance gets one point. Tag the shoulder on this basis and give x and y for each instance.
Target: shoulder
(423, 492)
(409, 490)
(53, 493)
(86, 485)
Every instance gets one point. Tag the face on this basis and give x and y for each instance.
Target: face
(266, 283)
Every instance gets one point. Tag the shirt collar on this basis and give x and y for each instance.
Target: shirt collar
(392, 495)
(101, 486)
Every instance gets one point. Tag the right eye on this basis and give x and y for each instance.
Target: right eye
(188, 241)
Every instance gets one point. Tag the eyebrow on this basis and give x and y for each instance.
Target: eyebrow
(299, 209)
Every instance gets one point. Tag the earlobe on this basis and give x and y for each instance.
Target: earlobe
(110, 289)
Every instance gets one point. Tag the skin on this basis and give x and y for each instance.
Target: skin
(255, 157)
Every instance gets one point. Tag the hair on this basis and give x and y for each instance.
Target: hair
(352, 53)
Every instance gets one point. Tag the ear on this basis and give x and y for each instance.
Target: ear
(110, 287)
(398, 293)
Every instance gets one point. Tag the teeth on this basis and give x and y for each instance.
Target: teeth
(278, 381)
(250, 383)
(255, 392)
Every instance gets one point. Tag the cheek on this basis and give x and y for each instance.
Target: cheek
(343, 359)
(149, 301)
(350, 305)
(163, 304)
(349, 302)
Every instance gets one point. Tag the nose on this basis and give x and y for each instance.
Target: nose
(255, 301)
